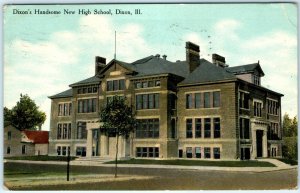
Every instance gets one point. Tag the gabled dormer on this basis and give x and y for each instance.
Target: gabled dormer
(250, 72)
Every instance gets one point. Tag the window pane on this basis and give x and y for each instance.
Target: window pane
(156, 101)
(145, 101)
(207, 152)
(189, 101)
(151, 101)
(157, 83)
(138, 85)
(217, 153)
(189, 152)
(206, 100)
(138, 102)
(145, 84)
(197, 127)
(198, 152)
(150, 84)
(189, 128)
(216, 96)
(207, 128)
(121, 84)
(109, 85)
(197, 100)
(217, 129)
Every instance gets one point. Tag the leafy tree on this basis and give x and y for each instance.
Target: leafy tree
(118, 119)
(290, 126)
(290, 133)
(25, 115)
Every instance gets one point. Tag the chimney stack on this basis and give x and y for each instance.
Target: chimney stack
(192, 55)
(100, 63)
(164, 57)
(219, 60)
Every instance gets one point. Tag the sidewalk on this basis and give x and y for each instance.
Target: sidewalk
(279, 165)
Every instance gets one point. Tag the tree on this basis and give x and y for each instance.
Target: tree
(118, 119)
(290, 126)
(25, 115)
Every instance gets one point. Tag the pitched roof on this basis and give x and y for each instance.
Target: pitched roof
(37, 137)
(207, 72)
(93, 79)
(248, 68)
(153, 65)
(64, 94)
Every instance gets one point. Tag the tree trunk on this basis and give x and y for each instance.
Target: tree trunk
(116, 161)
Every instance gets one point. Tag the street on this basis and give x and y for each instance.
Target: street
(166, 179)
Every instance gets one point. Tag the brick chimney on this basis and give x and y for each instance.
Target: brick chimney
(100, 63)
(219, 60)
(192, 55)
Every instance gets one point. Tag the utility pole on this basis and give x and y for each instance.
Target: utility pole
(68, 164)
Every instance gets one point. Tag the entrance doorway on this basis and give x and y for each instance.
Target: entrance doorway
(245, 153)
(259, 146)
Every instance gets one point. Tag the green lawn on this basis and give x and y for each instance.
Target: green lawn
(288, 161)
(196, 163)
(40, 158)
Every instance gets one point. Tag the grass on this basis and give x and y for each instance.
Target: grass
(40, 158)
(288, 161)
(196, 163)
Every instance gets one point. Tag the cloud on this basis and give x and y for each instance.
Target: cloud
(46, 67)
(226, 28)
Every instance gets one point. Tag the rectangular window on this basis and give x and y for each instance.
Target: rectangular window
(217, 128)
(207, 152)
(216, 153)
(172, 98)
(189, 128)
(64, 150)
(156, 101)
(145, 84)
(189, 152)
(244, 100)
(116, 84)
(109, 85)
(207, 128)
(198, 152)
(206, 100)
(60, 109)
(150, 84)
(147, 128)
(157, 83)
(58, 150)
(69, 131)
(197, 100)
(216, 99)
(95, 89)
(197, 128)
(9, 135)
(189, 101)
(65, 130)
(122, 84)
(257, 109)
(70, 109)
(59, 130)
(244, 128)
(81, 130)
(87, 105)
(138, 85)
(8, 150)
(147, 152)
(23, 149)
(147, 101)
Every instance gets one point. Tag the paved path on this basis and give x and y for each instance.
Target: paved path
(99, 162)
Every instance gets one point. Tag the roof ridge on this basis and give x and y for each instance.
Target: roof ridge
(143, 60)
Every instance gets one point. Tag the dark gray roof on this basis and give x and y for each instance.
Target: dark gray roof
(245, 69)
(153, 65)
(64, 94)
(207, 72)
(93, 79)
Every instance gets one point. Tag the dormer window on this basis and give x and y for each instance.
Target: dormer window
(256, 79)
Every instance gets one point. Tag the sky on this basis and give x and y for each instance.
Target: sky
(45, 53)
